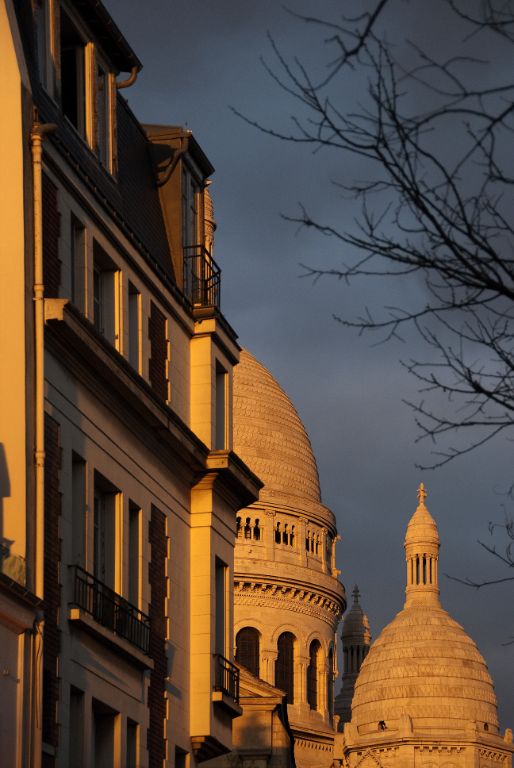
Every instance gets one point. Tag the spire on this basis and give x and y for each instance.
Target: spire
(422, 554)
(356, 640)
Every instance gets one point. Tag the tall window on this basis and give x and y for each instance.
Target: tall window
(284, 666)
(247, 649)
(132, 743)
(313, 674)
(104, 522)
(220, 431)
(190, 205)
(104, 722)
(78, 263)
(134, 327)
(41, 13)
(330, 683)
(103, 113)
(76, 715)
(105, 295)
(134, 553)
(221, 607)
(73, 74)
(78, 508)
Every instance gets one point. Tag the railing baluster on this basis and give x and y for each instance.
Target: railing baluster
(226, 677)
(110, 609)
(202, 277)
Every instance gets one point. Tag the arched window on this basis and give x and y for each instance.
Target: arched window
(284, 666)
(330, 684)
(312, 674)
(247, 649)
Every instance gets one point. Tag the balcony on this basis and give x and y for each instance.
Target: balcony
(110, 610)
(202, 277)
(226, 678)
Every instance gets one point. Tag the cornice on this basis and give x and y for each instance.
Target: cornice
(305, 599)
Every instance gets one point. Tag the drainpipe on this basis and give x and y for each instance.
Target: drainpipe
(37, 135)
(131, 79)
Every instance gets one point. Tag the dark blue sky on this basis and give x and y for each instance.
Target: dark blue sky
(200, 57)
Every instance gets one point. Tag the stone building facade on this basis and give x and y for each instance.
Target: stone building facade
(118, 480)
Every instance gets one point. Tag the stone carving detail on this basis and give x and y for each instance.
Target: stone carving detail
(309, 602)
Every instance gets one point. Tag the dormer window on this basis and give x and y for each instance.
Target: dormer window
(191, 235)
(84, 86)
(73, 75)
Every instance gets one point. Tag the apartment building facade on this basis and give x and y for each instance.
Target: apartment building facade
(119, 483)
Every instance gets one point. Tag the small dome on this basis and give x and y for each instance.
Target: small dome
(422, 528)
(269, 435)
(356, 623)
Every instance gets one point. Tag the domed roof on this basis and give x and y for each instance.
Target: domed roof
(423, 664)
(356, 623)
(422, 527)
(269, 435)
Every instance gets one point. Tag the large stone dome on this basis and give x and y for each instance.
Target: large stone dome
(269, 435)
(423, 666)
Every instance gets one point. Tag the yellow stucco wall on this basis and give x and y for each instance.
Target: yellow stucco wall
(12, 311)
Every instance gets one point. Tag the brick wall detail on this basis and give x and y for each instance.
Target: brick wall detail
(158, 352)
(51, 234)
(158, 586)
(52, 587)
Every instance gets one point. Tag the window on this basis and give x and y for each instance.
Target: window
(330, 683)
(42, 22)
(78, 263)
(312, 674)
(104, 724)
(78, 509)
(104, 523)
(158, 363)
(134, 553)
(221, 607)
(103, 112)
(132, 744)
(220, 427)
(105, 295)
(73, 74)
(284, 665)
(134, 327)
(76, 715)
(190, 205)
(247, 649)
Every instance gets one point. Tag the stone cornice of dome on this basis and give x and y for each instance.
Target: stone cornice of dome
(296, 506)
(327, 605)
(489, 745)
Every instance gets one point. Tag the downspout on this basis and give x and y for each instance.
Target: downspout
(37, 135)
(131, 79)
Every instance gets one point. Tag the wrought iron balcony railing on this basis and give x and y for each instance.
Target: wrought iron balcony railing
(202, 277)
(110, 609)
(226, 676)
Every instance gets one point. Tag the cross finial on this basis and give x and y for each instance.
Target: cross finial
(356, 594)
(422, 493)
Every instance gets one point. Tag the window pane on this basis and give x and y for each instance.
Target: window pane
(72, 74)
(247, 649)
(284, 666)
